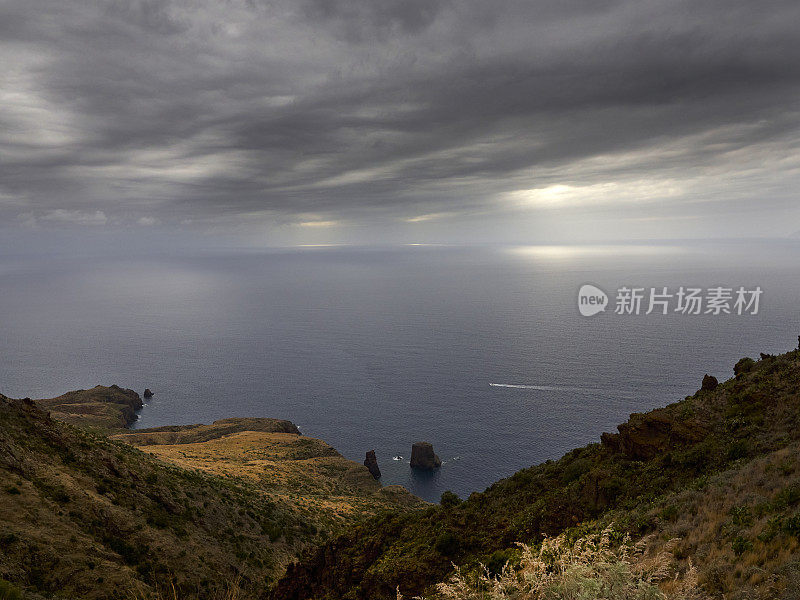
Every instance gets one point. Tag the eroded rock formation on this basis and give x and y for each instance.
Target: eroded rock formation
(371, 462)
(423, 457)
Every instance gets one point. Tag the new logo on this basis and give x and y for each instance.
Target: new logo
(591, 300)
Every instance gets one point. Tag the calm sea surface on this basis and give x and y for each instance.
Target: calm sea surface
(378, 348)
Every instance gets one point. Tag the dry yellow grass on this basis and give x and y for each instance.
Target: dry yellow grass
(306, 473)
(592, 567)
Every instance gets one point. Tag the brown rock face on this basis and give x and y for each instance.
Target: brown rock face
(148, 393)
(710, 383)
(371, 462)
(647, 435)
(423, 457)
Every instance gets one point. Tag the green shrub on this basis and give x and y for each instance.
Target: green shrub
(740, 545)
(741, 516)
(788, 496)
(771, 529)
(272, 530)
(54, 492)
(670, 513)
(738, 449)
(745, 365)
(792, 525)
(447, 544)
(498, 560)
(158, 517)
(611, 488)
(575, 469)
(131, 554)
(9, 591)
(449, 499)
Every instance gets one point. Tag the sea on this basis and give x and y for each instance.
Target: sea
(481, 351)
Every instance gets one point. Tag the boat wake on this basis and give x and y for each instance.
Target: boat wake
(564, 388)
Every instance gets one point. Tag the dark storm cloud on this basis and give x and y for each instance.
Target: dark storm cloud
(343, 110)
(360, 20)
(150, 15)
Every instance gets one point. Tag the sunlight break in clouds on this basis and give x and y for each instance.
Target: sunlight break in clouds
(565, 196)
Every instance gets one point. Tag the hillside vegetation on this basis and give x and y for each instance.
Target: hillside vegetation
(85, 516)
(712, 480)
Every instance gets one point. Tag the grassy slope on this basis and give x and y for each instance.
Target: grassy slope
(306, 474)
(85, 516)
(739, 527)
(654, 460)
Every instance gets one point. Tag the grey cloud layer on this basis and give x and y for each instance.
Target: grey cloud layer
(168, 110)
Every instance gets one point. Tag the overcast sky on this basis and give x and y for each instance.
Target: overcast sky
(316, 121)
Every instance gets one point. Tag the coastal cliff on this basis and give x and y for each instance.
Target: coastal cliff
(110, 407)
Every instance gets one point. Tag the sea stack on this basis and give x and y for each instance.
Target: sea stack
(148, 393)
(423, 457)
(371, 462)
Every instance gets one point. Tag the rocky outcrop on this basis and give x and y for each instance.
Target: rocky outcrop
(645, 436)
(423, 457)
(147, 394)
(709, 384)
(371, 462)
(745, 365)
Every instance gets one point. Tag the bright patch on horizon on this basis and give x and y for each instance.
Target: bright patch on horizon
(318, 224)
(555, 252)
